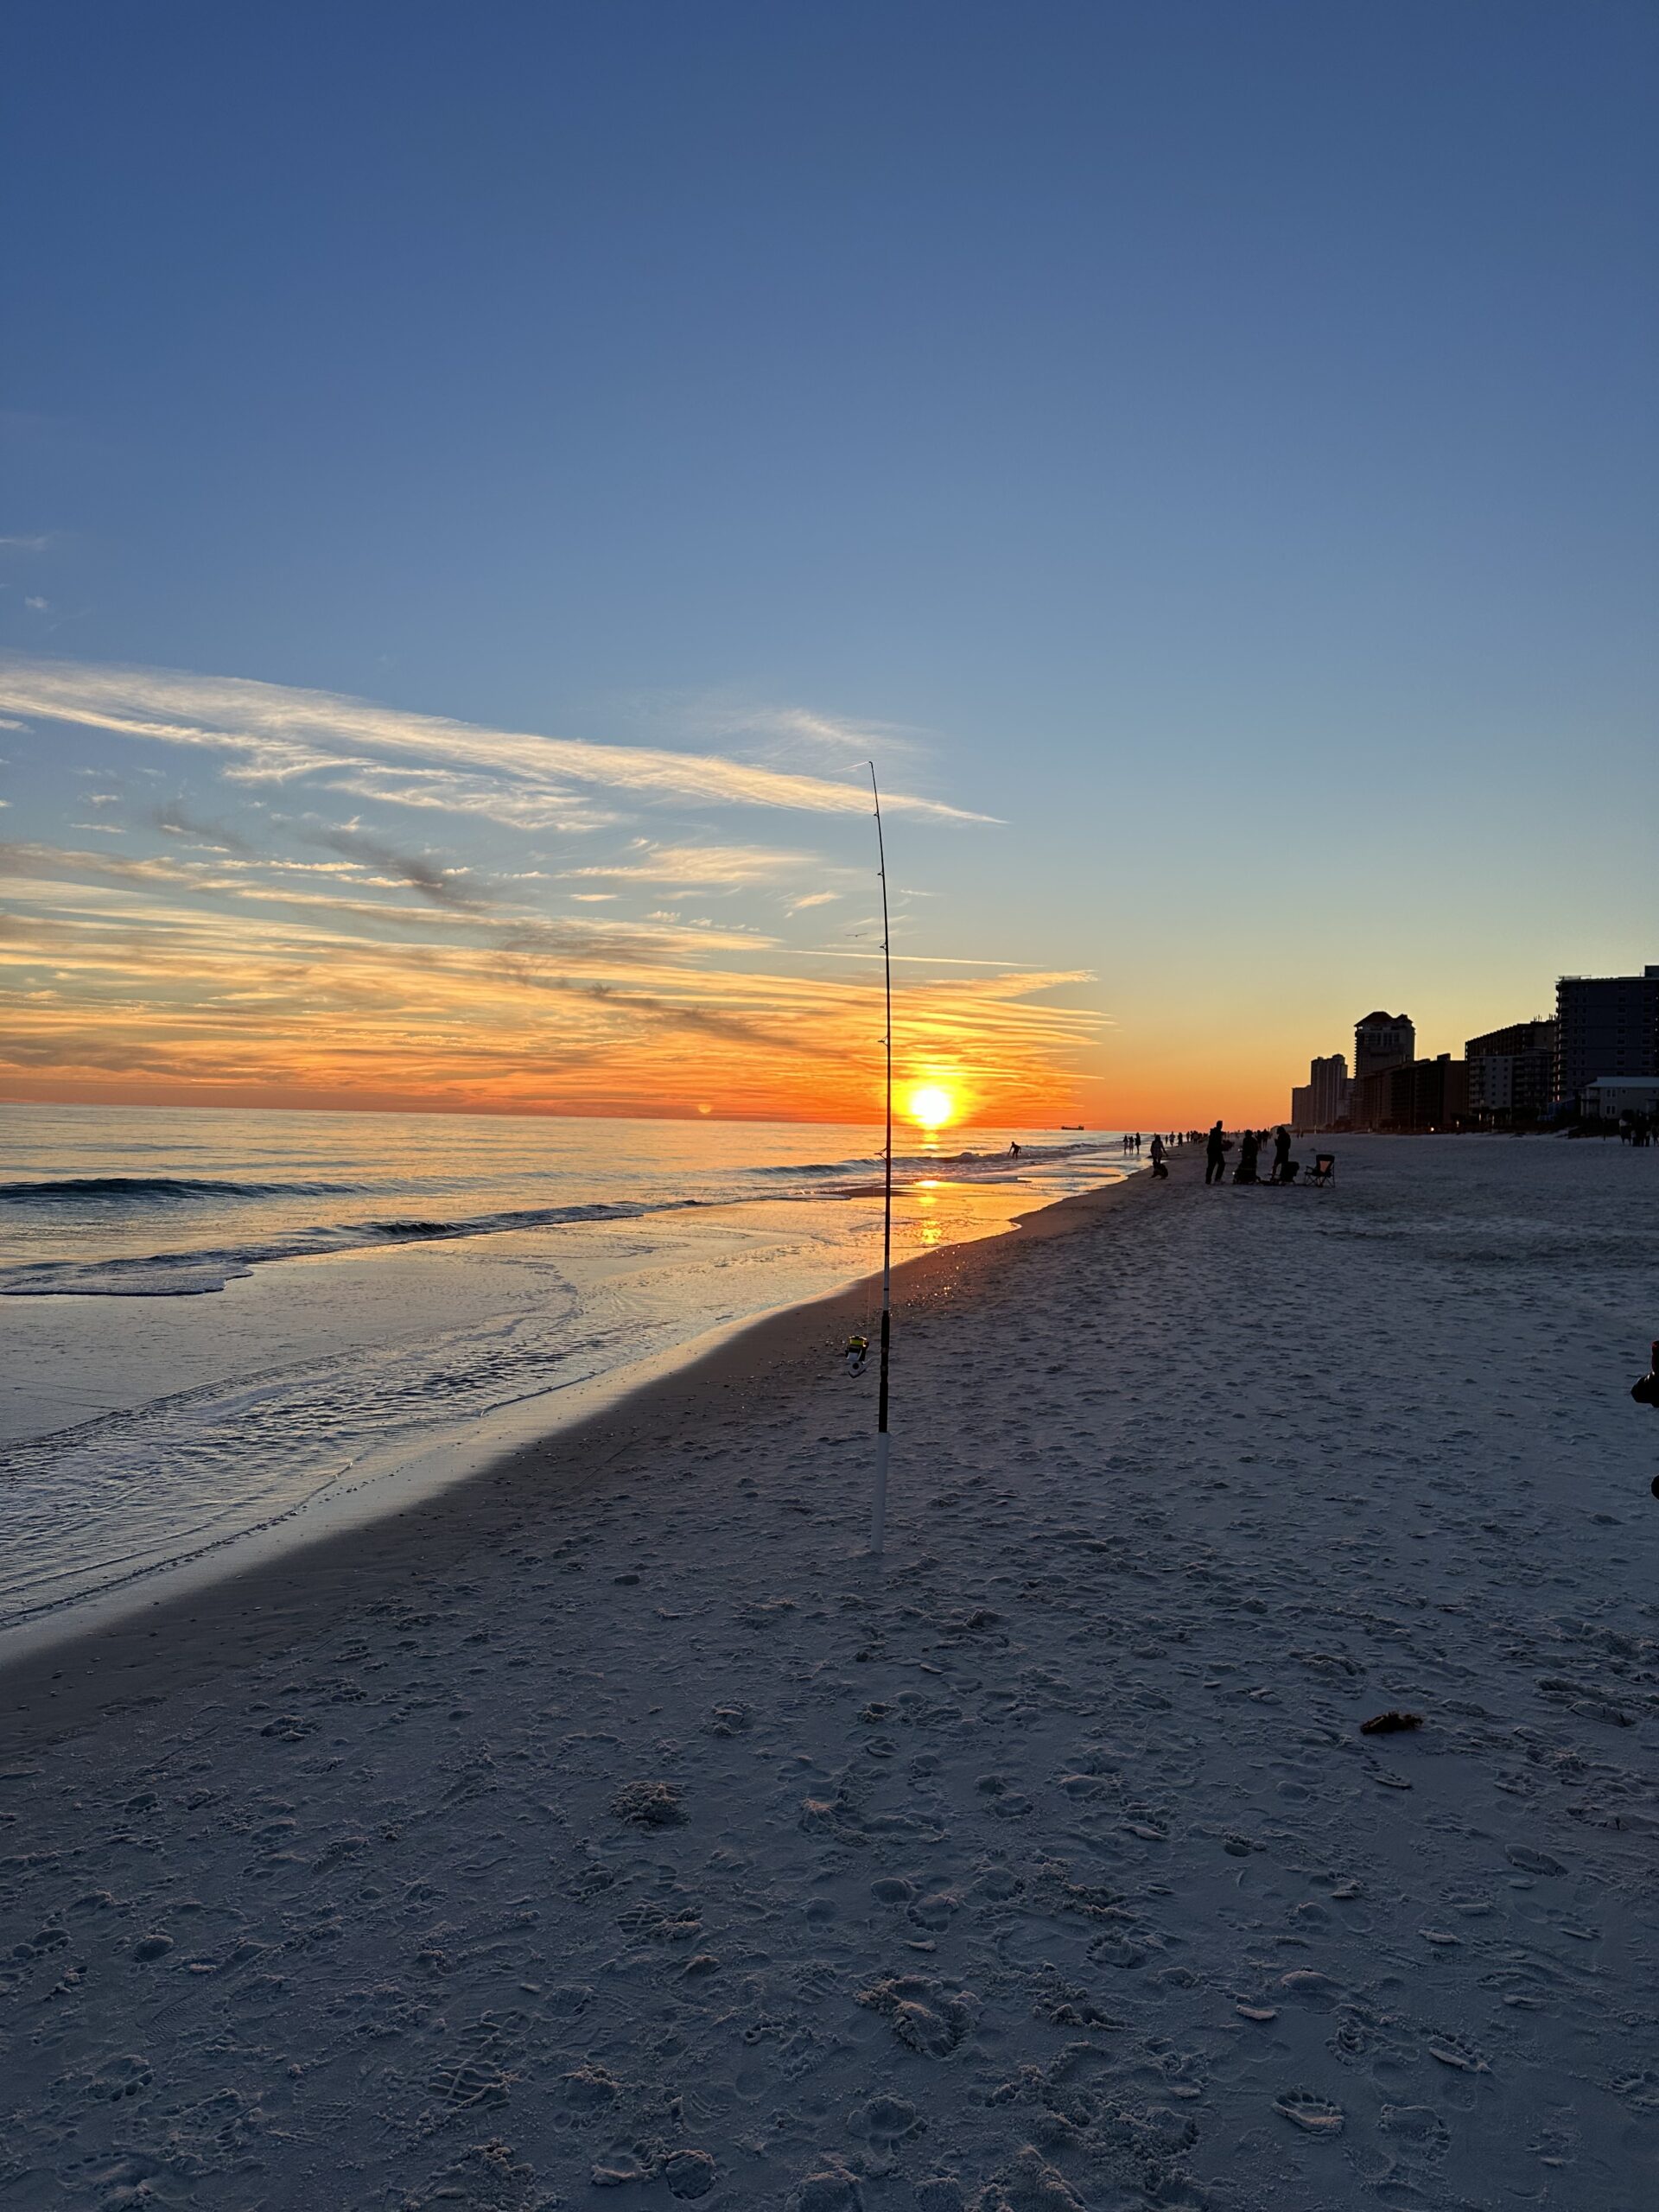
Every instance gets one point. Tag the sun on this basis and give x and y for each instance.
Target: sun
(931, 1106)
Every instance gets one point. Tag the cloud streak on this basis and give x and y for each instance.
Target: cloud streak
(275, 733)
(685, 867)
(442, 886)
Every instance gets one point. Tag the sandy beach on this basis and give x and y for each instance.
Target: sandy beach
(612, 1830)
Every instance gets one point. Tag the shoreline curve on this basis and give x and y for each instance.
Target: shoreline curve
(125, 1651)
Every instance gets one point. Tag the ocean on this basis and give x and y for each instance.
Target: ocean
(219, 1321)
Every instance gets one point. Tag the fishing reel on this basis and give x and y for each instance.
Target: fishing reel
(857, 1354)
(1645, 1391)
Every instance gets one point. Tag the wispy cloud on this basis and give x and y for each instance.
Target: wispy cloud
(278, 733)
(442, 886)
(699, 867)
(177, 820)
(62, 875)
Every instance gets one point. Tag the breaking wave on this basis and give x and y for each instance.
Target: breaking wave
(183, 1274)
(158, 1189)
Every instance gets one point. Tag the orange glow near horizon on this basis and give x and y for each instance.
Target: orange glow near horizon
(184, 981)
(132, 993)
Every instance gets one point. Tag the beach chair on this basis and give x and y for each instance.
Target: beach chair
(1325, 1167)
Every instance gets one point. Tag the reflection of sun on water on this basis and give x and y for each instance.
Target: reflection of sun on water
(931, 1106)
(928, 1227)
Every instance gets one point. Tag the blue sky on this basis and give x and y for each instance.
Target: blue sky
(1217, 443)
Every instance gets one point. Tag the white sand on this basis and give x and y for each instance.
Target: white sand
(1044, 1867)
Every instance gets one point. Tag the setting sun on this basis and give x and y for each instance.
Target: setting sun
(932, 1107)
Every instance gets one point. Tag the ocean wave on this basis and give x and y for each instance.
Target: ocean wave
(161, 1189)
(912, 1165)
(189, 1274)
(817, 1167)
(183, 1274)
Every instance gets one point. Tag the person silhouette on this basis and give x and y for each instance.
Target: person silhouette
(1215, 1155)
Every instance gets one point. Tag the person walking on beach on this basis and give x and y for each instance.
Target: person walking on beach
(1281, 1155)
(1215, 1155)
(1159, 1171)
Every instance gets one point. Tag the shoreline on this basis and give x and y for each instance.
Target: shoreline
(205, 1619)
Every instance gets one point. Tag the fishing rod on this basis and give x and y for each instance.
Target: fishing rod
(879, 1504)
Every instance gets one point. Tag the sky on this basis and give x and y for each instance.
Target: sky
(478, 483)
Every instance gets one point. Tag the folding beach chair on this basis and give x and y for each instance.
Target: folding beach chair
(1325, 1167)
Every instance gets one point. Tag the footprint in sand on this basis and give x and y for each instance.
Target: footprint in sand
(1314, 2115)
(1453, 2051)
(1029, 2185)
(688, 2173)
(467, 2085)
(1418, 2125)
(924, 2017)
(120, 2078)
(1533, 1862)
(589, 2089)
(649, 1805)
(940, 2193)
(887, 2120)
(832, 2189)
(1317, 1990)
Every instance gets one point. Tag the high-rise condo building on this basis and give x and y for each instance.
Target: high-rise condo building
(1322, 1100)
(1328, 1081)
(1421, 1095)
(1383, 1041)
(1512, 1072)
(1605, 1026)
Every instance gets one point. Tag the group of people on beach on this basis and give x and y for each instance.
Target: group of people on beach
(1161, 1145)
(1161, 1142)
(1218, 1144)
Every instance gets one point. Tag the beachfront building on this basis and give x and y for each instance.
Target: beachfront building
(1322, 1100)
(1605, 1026)
(1328, 1081)
(1619, 1095)
(1421, 1096)
(1512, 1074)
(1382, 1041)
